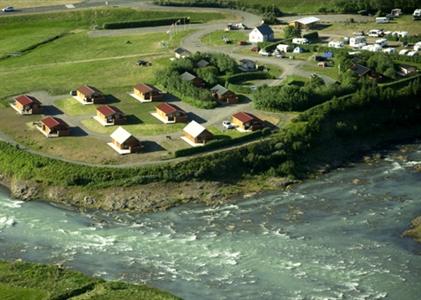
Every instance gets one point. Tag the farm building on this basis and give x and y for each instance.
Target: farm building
(89, 95)
(223, 94)
(170, 113)
(246, 122)
(124, 142)
(196, 81)
(181, 53)
(261, 33)
(147, 93)
(108, 115)
(27, 105)
(53, 127)
(196, 135)
(305, 23)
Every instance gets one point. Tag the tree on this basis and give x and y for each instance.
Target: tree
(291, 32)
(208, 74)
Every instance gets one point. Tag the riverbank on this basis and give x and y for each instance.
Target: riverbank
(23, 280)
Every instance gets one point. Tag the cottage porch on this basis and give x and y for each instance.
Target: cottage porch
(102, 122)
(21, 112)
(138, 98)
(191, 143)
(81, 101)
(160, 118)
(118, 150)
(47, 135)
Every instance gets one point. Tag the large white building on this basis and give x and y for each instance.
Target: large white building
(260, 34)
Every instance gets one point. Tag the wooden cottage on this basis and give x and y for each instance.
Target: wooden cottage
(90, 95)
(246, 122)
(54, 127)
(170, 113)
(195, 134)
(196, 81)
(108, 115)
(224, 95)
(124, 142)
(27, 105)
(147, 93)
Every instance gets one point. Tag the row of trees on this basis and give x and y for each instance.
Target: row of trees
(382, 6)
(296, 98)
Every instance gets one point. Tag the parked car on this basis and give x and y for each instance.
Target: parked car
(228, 125)
(8, 9)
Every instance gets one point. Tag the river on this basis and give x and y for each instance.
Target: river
(334, 237)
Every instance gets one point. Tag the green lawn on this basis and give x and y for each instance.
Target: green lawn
(28, 281)
(72, 107)
(216, 38)
(332, 72)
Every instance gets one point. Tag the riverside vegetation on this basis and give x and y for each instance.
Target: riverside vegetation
(22, 280)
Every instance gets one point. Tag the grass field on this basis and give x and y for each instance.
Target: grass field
(41, 282)
(19, 32)
(216, 38)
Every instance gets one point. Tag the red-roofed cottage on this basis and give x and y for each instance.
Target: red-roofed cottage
(27, 105)
(108, 115)
(246, 121)
(147, 92)
(170, 113)
(90, 95)
(54, 127)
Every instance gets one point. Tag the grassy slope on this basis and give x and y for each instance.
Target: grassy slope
(34, 3)
(40, 282)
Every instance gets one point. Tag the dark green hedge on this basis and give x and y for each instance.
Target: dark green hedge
(146, 23)
(218, 144)
(248, 76)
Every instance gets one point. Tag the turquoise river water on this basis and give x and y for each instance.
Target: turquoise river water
(330, 238)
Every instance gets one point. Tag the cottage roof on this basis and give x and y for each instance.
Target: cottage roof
(88, 90)
(360, 70)
(26, 99)
(408, 67)
(144, 88)
(219, 90)
(52, 122)
(121, 135)
(264, 29)
(168, 108)
(186, 76)
(308, 20)
(182, 51)
(194, 129)
(245, 117)
(108, 110)
(246, 61)
(202, 63)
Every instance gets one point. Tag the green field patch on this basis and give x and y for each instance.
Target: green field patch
(216, 38)
(72, 107)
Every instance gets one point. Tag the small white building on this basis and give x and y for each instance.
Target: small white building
(300, 41)
(261, 34)
(283, 48)
(336, 44)
(357, 42)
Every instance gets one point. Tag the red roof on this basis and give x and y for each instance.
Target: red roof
(168, 108)
(26, 99)
(245, 117)
(108, 110)
(144, 88)
(88, 90)
(52, 122)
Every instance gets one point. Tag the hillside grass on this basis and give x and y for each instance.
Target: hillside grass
(21, 31)
(216, 38)
(18, 4)
(21, 280)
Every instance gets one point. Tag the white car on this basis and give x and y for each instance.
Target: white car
(8, 9)
(227, 125)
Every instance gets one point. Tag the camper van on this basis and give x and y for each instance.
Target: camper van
(417, 14)
(336, 44)
(375, 33)
(381, 42)
(357, 41)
